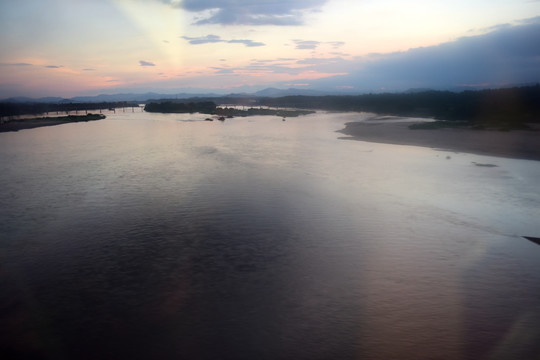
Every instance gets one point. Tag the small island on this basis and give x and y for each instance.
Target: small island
(30, 123)
(209, 107)
(284, 113)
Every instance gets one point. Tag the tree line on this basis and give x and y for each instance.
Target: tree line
(28, 108)
(512, 105)
(206, 107)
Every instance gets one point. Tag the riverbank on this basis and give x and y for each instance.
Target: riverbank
(21, 124)
(520, 144)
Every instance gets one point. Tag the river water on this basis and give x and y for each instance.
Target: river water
(163, 236)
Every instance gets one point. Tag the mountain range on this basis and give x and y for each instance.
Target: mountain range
(269, 92)
(266, 93)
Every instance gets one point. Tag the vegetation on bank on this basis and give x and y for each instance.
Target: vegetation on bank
(205, 107)
(500, 108)
(505, 109)
(445, 124)
(441, 124)
(70, 118)
(9, 109)
(29, 123)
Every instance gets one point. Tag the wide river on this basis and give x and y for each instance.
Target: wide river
(164, 236)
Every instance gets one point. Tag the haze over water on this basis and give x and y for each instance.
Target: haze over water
(164, 236)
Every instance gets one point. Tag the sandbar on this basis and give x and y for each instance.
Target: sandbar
(519, 144)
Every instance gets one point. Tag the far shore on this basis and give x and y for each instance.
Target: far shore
(519, 144)
(30, 123)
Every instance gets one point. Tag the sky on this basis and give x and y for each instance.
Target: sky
(88, 47)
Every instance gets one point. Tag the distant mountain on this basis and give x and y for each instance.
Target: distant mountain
(137, 97)
(487, 87)
(106, 98)
(416, 90)
(273, 92)
(269, 92)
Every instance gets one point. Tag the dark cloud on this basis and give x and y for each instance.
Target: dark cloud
(530, 21)
(146, 63)
(209, 39)
(249, 12)
(506, 54)
(53, 66)
(88, 69)
(509, 54)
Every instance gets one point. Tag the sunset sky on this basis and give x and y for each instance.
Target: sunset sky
(89, 47)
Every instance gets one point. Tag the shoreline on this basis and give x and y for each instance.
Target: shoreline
(31, 123)
(518, 144)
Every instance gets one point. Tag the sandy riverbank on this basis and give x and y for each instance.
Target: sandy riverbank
(521, 144)
(21, 124)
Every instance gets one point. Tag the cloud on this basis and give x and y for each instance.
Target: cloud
(249, 12)
(306, 44)
(248, 43)
(209, 39)
(259, 69)
(146, 63)
(509, 54)
(16, 64)
(312, 45)
(314, 66)
(53, 66)
(319, 61)
(88, 69)
(336, 44)
(223, 70)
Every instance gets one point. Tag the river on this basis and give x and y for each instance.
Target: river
(164, 236)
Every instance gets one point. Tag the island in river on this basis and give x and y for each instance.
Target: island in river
(211, 108)
(30, 123)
